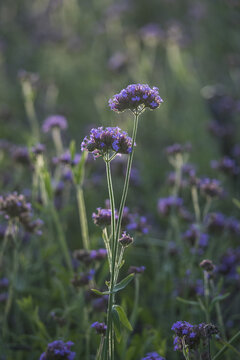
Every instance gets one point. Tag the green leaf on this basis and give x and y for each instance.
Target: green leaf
(78, 171)
(122, 284)
(189, 302)
(123, 317)
(236, 202)
(117, 324)
(72, 149)
(218, 298)
(100, 292)
(47, 183)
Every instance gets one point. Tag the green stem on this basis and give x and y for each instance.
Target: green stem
(109, 335)
(225, 347)
(127, 178)
(196, 204)
(29, 108)
(108, 346)
(13, 231)
(61, 237)
(206, 295)
(83, 217)
(56, 134)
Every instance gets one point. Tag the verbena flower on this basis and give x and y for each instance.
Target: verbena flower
(87, 257)
(189, 336)
(103, 217)
(20, 154)
(83, 279)
(15, 207)
(226, 165)
(215, 222)
(58, 350)
(136, 269)
(136, 97)
(210, 187)
(178, 149)
(38, 149)
(111, 139)
(193, 235)
(54, 121)
(100, 328)
(165, 205)
(125, 240)
(229, 264)
(207, 265)
(152, 356)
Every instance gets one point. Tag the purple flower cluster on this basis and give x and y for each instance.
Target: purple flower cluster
(58, 350)
(102, 141)
(210, 187)
(136, 97)
(178, 149)
(88, 257)
(229, 264)
(136, 269)
(125, 240)
(15, 207)
(100, 328)
(103, 217)
(226, 165)
(131, 221)
(217, 223)
(188, 335)
(20, 155)
(83, 279)
(66, 159)
(54, 121)
(194, 236)
(152, 356)
(165, 205)
(38, 149)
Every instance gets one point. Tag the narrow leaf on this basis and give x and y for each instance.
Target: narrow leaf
(123, 317)
(72, 149)
(122, 284)
(117, 324)
(189, 302)
(97, 292)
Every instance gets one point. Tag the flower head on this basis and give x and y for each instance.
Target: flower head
(54, 121)
(100, 328)
(211, 187)
(58, 350)
(136, 97)
(153, 356)
(136, 269)
(166, 204)
(112, 139)
(103, 217)
(125, 240)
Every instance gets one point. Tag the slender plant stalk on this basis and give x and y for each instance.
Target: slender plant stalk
(56, 134)
(108, 350)
(29, 108)
(8, 305)
(61, 237)
(225, 347)
(83, 217)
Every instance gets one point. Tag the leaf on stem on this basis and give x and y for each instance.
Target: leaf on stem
(123, 283)
(122, 317)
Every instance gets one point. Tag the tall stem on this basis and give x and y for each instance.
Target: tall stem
(109, 341)
(61, 237)
(127, 178)
(108, 346)
(83, 217)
